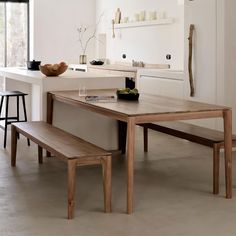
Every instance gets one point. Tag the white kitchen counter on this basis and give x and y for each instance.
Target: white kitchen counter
(94, 128)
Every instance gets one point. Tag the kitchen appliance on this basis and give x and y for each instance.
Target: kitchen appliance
(33, 65)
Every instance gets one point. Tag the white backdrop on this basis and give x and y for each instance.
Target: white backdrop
(53, 30)
(148, 44)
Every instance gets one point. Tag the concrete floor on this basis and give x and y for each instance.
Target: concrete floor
(173, 185)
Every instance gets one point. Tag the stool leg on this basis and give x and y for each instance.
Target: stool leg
(6, 122)
(71, 187)
(17, 113)
(13, 145)
(23, 102)
(106, 170)
(2, 98)
(216, 168)
(17, 108)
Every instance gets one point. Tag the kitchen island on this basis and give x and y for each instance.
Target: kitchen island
(73, 120)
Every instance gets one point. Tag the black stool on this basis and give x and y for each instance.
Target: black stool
(9, 120)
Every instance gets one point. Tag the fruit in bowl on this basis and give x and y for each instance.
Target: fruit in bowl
(53, 69)
(128, 94)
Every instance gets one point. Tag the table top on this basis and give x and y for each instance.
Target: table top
(146, 105)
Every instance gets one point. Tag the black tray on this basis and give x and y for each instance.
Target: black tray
(128, 96)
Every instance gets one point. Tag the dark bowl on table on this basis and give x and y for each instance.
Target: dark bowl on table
(33, 65)
(128, 96)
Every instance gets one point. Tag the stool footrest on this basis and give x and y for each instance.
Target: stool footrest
(9, 118)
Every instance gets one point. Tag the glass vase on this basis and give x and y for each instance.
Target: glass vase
(82, 59)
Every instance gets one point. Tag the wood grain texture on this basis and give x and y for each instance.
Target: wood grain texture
(146, 105)
(228, 151)
(106, 170)
(194, 133)
(57, 141)
(149, 108)
(190, 60)
(68, 148)
(130, 163)
(72, 163)
(201, 135)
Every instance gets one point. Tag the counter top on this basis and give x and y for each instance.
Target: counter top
(37, 77)
(119, 67)
(102, 132)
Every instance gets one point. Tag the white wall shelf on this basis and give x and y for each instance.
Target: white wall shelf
(144, 23)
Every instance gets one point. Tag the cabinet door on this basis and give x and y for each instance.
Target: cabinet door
(161, 86)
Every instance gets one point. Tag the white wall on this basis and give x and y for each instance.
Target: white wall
(230, 57)
(53, 30)
(149, 44)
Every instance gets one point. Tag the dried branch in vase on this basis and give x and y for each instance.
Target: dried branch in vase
(86, 35)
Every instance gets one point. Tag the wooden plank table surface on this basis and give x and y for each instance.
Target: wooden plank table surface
(149, 108)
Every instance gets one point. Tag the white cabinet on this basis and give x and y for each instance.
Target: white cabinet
(161, 82)
(161, 86)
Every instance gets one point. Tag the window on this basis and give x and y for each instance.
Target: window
(14, 32)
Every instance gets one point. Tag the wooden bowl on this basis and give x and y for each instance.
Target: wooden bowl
(53, 70)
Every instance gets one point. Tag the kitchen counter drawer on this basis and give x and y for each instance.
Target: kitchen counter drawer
(161, 86)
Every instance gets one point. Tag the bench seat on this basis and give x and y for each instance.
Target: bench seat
(201, 135)
(68, 148)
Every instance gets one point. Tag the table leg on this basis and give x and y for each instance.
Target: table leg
(130, 164)
(49, 108)
(49, 113)
(228, 151)
(122, 133)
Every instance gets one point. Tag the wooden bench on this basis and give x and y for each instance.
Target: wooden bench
(208, 137)
(68, 148)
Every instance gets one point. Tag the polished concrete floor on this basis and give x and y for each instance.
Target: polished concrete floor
(173, 185)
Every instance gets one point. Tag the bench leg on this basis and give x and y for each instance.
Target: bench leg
(14, 134)
(71, 187)
(40, 155)
(145, 139)
(106, 170)
(216, 168)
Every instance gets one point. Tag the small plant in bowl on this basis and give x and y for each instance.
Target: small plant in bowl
(53, 69)
(128, 94)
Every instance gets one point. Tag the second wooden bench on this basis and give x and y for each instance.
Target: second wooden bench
(68, 148)
(201, 135)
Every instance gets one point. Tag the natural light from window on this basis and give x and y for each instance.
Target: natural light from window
(13, 34)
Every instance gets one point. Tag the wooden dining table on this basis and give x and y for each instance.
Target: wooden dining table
(149, 108)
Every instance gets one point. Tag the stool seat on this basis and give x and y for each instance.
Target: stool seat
(12, 93)
(10, 119)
